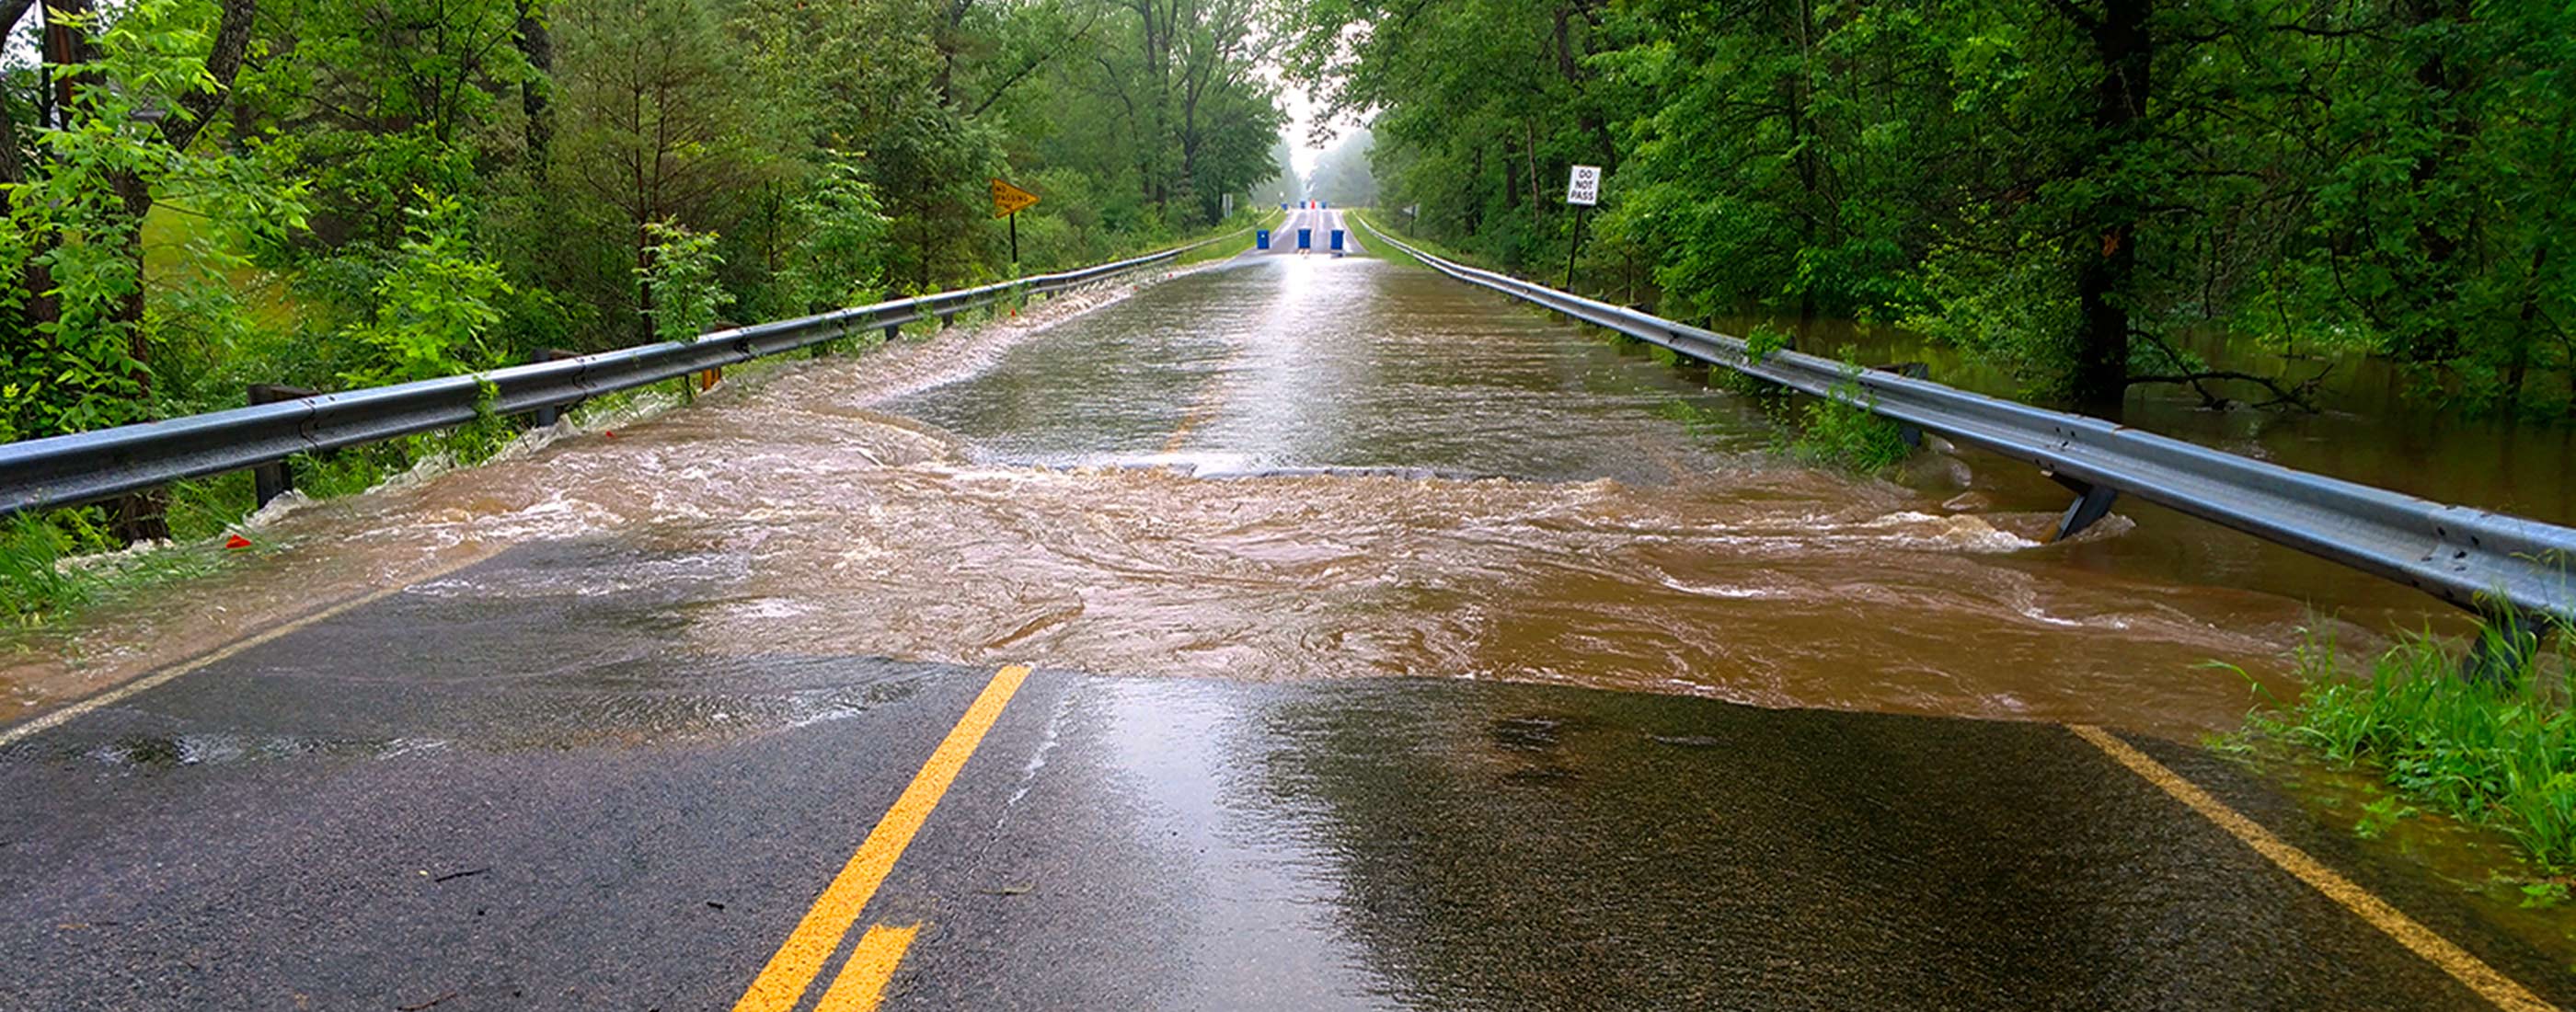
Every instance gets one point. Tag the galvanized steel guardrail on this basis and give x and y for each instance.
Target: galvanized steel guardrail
(2502, 566)
(86, 467)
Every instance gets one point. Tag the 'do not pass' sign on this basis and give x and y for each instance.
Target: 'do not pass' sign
(1009, 199)
(1583, 188)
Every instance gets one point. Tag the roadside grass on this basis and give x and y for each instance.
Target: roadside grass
(1235, 245)
(1388, 252)
(2499, 752)
(55, 565)
(1833, 433)
(175, 241)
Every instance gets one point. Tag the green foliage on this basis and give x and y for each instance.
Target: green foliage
(435, 303)
(680, 279)
(80, 357)
(1841, 430)
(50, 566)
(2061, 188)
(32, 580)
(2502, 755)
(840, 259)
(2378, 817)
(1764, 340)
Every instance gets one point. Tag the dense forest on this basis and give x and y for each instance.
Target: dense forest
(204, 194)
(2072, 188)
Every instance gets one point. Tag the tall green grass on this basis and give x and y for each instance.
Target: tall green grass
(55, 564)
(2498, 751)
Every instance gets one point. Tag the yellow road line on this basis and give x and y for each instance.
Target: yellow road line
(152, 681)
(782, 983)
(862, 982)
(2495, 987)
(1200, 411)
(1181, 435)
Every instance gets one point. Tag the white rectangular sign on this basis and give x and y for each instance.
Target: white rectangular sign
(1585, 186)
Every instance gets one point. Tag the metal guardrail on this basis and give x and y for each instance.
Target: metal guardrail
(86, 467)
(2503, 566)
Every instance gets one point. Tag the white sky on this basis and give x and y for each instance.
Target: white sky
(1302, 154)
(1300, 104)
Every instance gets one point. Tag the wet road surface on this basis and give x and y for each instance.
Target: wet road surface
(502, 803)
(1318, 224)
(632, 711)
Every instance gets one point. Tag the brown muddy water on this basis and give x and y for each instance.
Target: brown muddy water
(1303, 468)
(1286, 468)
(2368, 426)
(1289, 469)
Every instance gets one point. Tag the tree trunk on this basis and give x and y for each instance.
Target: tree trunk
(537, 45)
(2101, 376)
(1800, 130)
(65, 42)
(2518, 368)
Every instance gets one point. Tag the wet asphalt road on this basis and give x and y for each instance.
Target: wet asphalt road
(354, 816)
(504, 790)
(1319, 224)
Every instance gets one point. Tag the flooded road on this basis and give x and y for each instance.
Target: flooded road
(593, 725)
(1296, 467)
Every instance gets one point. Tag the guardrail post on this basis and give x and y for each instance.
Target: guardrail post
(1910, 433)
(893, 330)
(270, 480)
(547, 415)
(2506, 642)
(2092, 503)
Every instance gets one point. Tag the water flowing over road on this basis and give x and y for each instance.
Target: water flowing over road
(1302, 467)
(659, 677)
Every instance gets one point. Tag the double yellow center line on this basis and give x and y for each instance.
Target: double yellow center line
(860, 985)
(861, 982)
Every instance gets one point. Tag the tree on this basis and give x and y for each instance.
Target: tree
(126, 94)
(655, 123)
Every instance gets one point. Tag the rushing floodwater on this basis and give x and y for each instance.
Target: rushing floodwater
(1308, 468)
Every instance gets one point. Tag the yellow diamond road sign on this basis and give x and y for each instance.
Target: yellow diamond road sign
(1008, 199)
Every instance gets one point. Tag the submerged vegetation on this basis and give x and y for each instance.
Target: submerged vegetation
(1842, 430)
(2490, 749)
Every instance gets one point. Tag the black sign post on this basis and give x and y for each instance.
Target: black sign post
(1582, 189)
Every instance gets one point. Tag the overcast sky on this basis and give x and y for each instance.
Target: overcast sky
(1303, 152)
